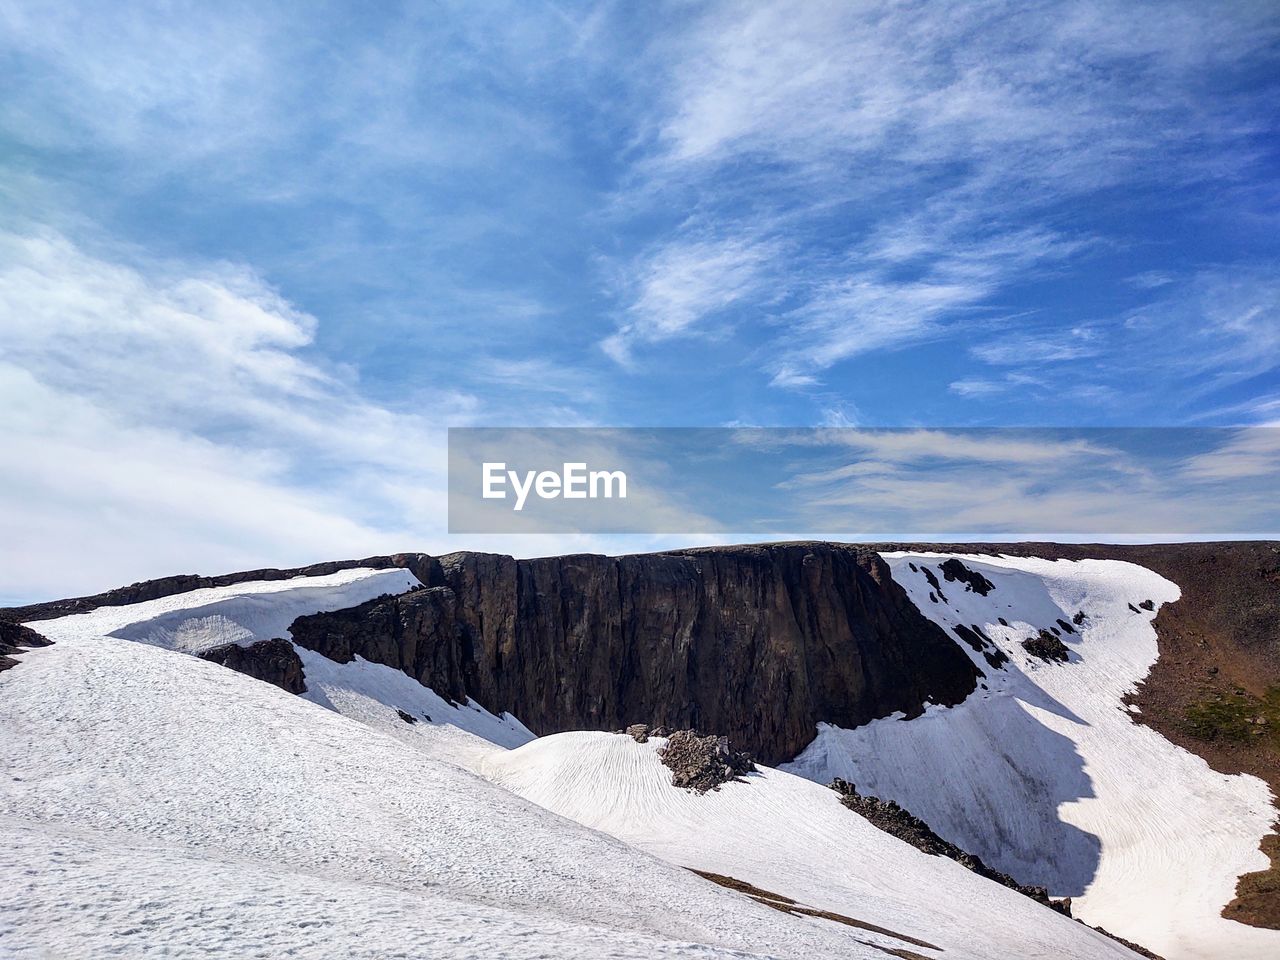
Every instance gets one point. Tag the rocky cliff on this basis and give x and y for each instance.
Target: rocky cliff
(758, 643)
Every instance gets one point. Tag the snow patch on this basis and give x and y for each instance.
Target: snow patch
(155, 804)
(202, 619)
(791, 837)
(1045, 774)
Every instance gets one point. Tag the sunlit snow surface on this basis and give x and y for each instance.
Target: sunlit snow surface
(1046, 775)
(155, 804)
(201, 619)
(789, 836)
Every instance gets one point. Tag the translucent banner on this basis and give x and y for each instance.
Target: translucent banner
(924, 483)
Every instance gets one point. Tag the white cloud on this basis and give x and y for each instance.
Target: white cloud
(937, 130)
(169, 417)
(1247, 453)
(942, 483)
(677, 287)
(974, 387)
(924, 83)
(153, 413)
(1218, 327)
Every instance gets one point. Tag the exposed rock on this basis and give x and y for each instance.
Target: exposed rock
(1147, 605)
(407, 717)
(1228, 617)
(1047, 647)
(274, 661)
(937, 587)
(981, 643)
(639, 732)
(1066, 627)
(1135, 947)
(760, 642)
(14, 638)
(970, 637)
(416, 632)
(785, 904)
(886, 815)
(1257, 899)
(953, 570)
(703, 763)
(803, 648)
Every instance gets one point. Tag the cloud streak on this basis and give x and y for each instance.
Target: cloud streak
(909, 144)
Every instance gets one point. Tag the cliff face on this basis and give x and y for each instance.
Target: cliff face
(758, 643)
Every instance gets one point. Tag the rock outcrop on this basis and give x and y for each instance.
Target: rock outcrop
(757, 642)
(954, 571)
(418, 632)
(14, 638)
(273, 661)
(703, 763)
(1047, 647)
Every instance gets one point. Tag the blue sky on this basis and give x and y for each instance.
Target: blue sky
(255, 257)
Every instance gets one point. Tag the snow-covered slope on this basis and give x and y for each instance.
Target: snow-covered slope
(1045, 775)
(259, 610)
(784, 834)
(155, 804)
(198, 620)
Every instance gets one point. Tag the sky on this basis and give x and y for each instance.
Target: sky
(255, 258)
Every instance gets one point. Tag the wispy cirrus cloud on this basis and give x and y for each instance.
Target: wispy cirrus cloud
(918, 155)
(1202, 332)
(684, 283)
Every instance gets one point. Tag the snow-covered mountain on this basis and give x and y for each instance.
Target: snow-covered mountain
(156, 803)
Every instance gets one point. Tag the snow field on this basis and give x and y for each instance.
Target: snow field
(1045, 774)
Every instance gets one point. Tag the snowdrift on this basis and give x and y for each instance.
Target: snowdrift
(155, 804)
(793, 838)
(158, 804)
(1043, 772)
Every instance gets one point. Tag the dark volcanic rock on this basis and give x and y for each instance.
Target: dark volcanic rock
(757, 642)
(1047, 647)
(886, 815)
(703, 763)
(981, 643)
(937, 587)
(953, 570)
(14, 638)
(274, 661)
(416, 632)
